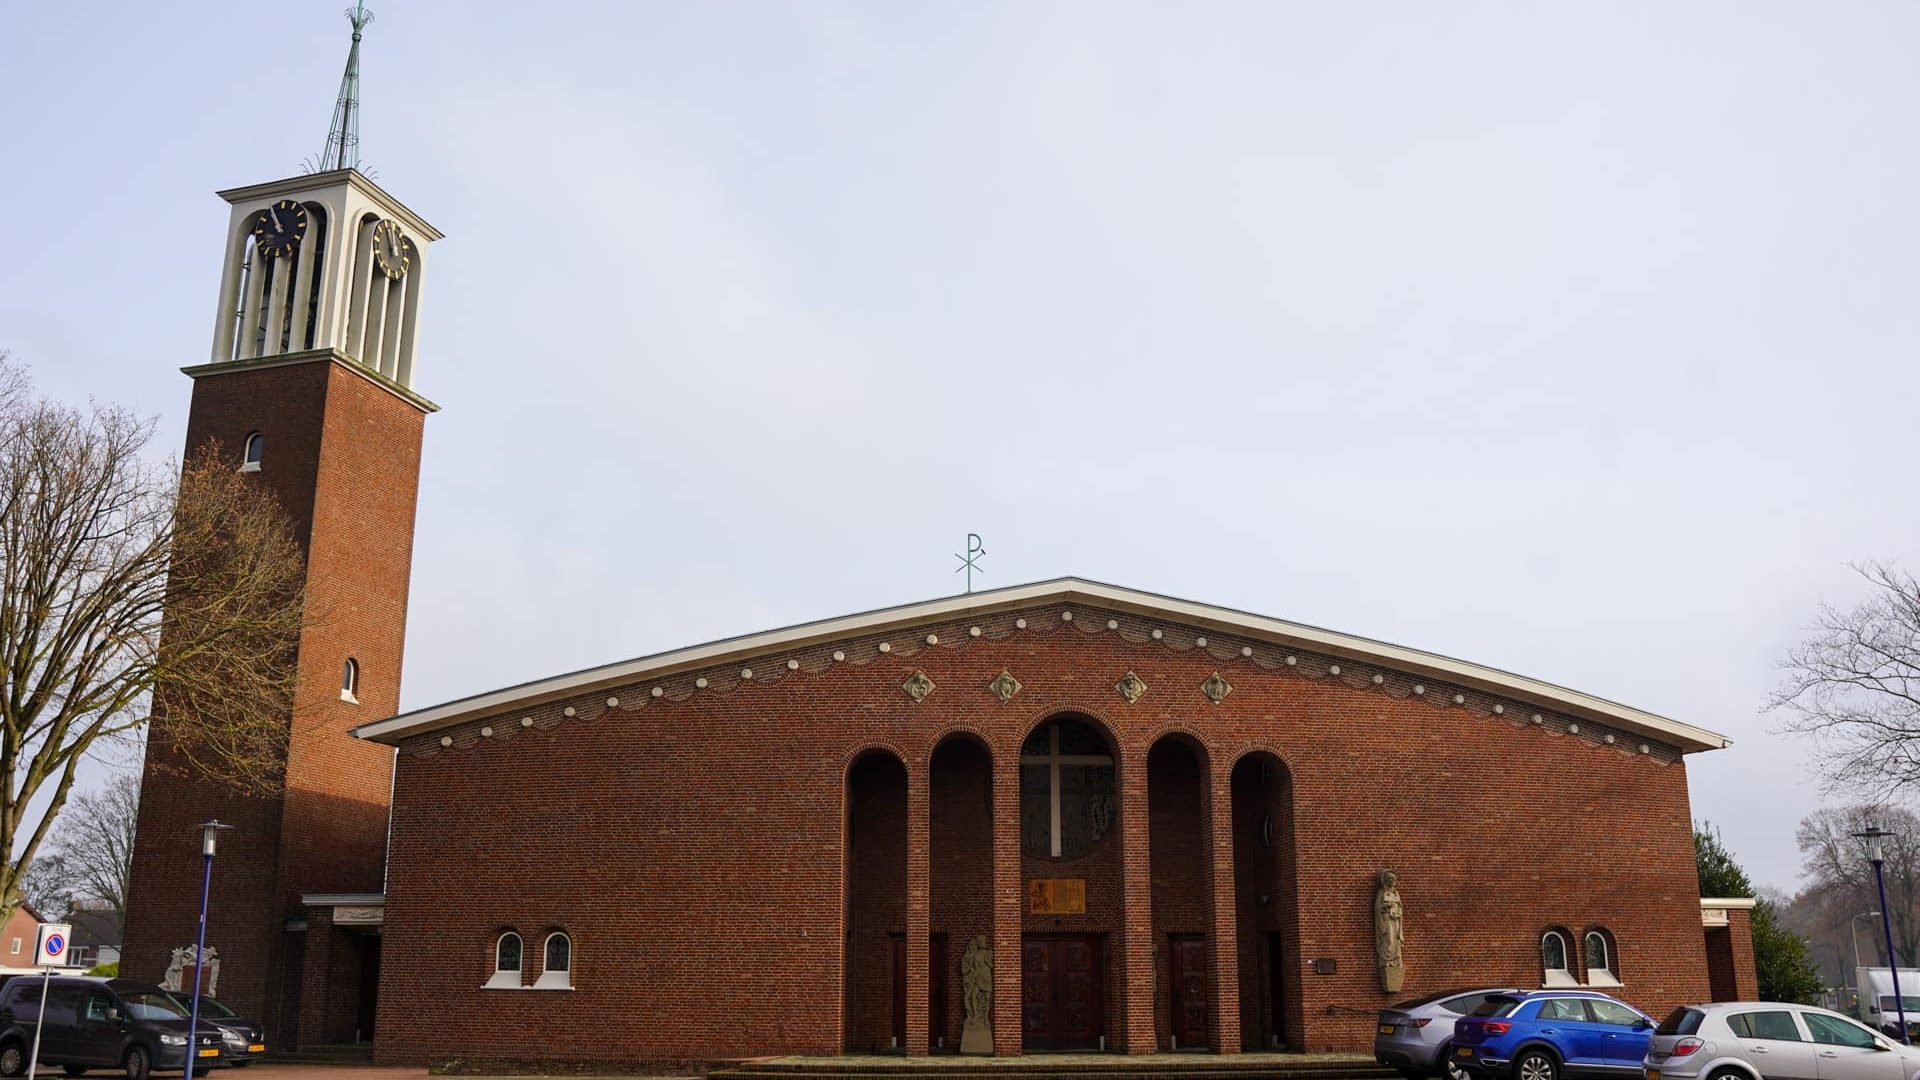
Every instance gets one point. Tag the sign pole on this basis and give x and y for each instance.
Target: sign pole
(49, 951)
(33, 1062)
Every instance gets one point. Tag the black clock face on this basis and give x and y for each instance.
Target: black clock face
(392, 251)
(277, 229)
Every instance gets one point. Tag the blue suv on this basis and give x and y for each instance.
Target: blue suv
(1552, 1035)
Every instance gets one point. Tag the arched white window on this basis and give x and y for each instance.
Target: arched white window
(350, 680)
(506, 963)
(250, 456)
(1554, 967)
(557, 971)
(1602, 965)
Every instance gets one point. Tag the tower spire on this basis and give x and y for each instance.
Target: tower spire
(343, 138)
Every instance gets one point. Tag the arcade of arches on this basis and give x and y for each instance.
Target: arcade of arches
(1134, 901)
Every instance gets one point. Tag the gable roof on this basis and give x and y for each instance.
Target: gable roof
(1687, 737)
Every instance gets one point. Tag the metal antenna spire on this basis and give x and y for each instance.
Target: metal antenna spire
(343, 138)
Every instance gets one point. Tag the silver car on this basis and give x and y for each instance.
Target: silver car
(1767, 1040)
(1414, 1036)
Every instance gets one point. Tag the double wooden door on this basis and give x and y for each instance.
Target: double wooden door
(1062, 991)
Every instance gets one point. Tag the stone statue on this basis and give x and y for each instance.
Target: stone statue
(976, 984)
(1388, 935)
(176, 976)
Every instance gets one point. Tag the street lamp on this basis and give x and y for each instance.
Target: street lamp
(1853, 931)
(1875, 837)
(209, 839)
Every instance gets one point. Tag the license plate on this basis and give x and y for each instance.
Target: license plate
(211, 1051)
(1653, 1074)
(1386, 1029)
(1467, 1052)
(257, 1048)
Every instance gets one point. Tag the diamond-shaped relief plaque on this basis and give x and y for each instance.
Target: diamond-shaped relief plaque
(1131, 687)
(1005, 686)
(1216, 688)
(918, 686)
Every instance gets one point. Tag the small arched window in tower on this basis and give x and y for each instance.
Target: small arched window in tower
(1555, 969)
(557, 972)
(350, 680)
(250, 455)
(506, 963)
(1602, 965)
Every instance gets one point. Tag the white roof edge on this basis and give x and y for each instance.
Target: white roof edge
(1687, 736)
(1721, 903)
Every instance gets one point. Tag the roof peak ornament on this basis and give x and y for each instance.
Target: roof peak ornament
(343, 135)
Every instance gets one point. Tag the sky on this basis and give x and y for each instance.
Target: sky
(1572, 339)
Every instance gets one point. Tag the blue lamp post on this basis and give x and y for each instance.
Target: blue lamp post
(209, 838)
(1875, 837)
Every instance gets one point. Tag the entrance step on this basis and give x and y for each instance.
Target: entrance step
(1074, 1066)
(344, 1054)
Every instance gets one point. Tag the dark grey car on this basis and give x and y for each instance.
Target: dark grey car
(1413, 1036)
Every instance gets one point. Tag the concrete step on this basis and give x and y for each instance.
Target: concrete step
(345, 1054)
(1076, 1067)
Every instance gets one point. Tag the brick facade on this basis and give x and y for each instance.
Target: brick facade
(342, 456)
(734, 851)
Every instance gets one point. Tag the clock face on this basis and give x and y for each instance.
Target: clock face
(277, 229)
(392, 251)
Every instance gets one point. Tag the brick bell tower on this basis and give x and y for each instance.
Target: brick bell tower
(310, 389)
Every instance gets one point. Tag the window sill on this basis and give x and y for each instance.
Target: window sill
(251, 466)
(1603, 980)
(1559, 980)
(347, 696)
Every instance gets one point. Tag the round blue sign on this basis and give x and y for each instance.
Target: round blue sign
(56, 944)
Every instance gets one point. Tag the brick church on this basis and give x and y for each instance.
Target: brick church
(1065, 816)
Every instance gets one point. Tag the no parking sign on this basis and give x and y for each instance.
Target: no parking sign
(52, 949)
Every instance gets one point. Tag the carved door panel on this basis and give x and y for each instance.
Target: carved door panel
(1189, 989)
(1082, 993)
(1036, 994)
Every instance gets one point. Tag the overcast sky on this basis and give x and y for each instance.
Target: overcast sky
(1577, 340)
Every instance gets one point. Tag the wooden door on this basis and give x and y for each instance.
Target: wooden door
(1063, 992)
(1276, 990)
(899, 943)
(1190, 990)
(937, 992)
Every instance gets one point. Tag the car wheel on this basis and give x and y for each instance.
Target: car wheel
(1536, 1065)
(138, 1064)
(1450, 1069)
(13, 1060)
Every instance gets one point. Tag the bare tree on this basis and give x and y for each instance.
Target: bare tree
(1840, 879)
(1853, 687)
(92, 846)
(126, 592)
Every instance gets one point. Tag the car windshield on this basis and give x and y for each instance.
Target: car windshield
(208, 1006)
(152, 1005)
(1497, 1005)
(1682, 1021)
(1909, 1004)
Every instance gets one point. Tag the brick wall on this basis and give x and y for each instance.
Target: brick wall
(342, 456)
(692, 843)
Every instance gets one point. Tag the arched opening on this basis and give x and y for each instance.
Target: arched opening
(1181, 866)
(960, 860)
(1267, 904)
(1071, 863)
(876, 853)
